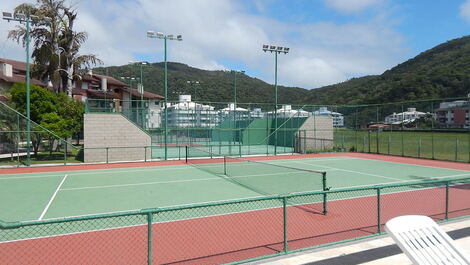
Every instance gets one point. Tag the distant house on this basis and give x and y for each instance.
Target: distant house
(453, 114)
(11, 72)
(101, 92)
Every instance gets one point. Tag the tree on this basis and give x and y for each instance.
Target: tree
(55, 112)
(55, 45)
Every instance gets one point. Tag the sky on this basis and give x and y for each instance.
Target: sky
(330, 41)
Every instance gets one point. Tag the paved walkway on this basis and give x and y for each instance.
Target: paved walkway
(376, 251)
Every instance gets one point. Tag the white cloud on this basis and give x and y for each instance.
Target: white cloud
(465, 10)
(221, 33)
(351, 6)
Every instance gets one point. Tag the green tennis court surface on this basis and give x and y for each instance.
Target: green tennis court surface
(40, 196)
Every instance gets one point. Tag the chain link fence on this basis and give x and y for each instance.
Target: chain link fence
(232, 231)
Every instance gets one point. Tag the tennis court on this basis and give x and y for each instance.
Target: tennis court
(252, 220)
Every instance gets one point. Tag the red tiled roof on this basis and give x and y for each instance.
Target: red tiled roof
(15, 64)
(111, 80)
(20, 78)
(147, 95)
(90, 93)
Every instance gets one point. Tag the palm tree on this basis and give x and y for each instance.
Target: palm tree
(55, 44)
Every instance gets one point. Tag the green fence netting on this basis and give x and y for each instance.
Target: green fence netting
(44, 146)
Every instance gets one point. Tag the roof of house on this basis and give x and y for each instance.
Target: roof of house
(147, 95)
(20, 78)
(18, 65)
(97, 78)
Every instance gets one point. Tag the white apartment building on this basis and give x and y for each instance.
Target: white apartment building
(286, 111)
(407, 116)
(234, 113)
(186, 113)
(256, 113)
(338, 118)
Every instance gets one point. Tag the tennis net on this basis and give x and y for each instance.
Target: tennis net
(261, 177)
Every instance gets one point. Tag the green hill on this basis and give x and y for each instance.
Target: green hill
(443, 71)
(214, 86)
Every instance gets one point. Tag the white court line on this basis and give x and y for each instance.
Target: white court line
(221, 177)
(351, 171)
(52, 198)
(201, 217)
(410, 164)
(103, 171)
(98, 172)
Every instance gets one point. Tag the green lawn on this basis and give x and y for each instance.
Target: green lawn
(438, 145)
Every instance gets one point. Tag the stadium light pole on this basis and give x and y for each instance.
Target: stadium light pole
(193, 84)
(276, 50)
(141, 87)
(28, 19)
(235, 73)
(159, 35)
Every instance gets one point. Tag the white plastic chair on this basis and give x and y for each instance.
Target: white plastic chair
(424, 242)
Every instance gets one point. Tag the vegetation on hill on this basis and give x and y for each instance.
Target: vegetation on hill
(443, 71)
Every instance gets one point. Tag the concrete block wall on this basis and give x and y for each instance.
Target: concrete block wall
(125, 140)
(316, 134)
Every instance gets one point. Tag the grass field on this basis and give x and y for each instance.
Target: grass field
(435, 145)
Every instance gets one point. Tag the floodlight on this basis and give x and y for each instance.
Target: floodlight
(279, 48)
(7, 15)
(169, 36)
(272, 48)
(265, 46)
(159, 35)
(20, 16)
(34, 17)
(179, 37)
(150, 34)
(286, 49)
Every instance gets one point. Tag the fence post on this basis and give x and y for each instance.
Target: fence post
(368, 144)
(456, 149)
(225, 166)
(378, 211)
(186, 155)
(447, 200)
(65, 152)
(388, 146)
(149, 238)
(284, 214)
(107, 158)
(324, 193)
(419, 147)
(145, 153)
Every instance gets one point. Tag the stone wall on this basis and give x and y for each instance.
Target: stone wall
(315, 134)
(112, 137)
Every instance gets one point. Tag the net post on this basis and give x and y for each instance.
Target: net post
(447, 201)
(107, 157)
(378, 211)
(284, 223)
(324, 192)
(186, 153)
(149, 238)
(240, 150)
